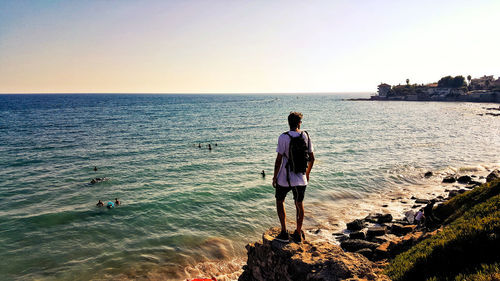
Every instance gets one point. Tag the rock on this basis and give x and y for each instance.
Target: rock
(376, 231)
(464, 179)
(384, 238)
(382, 251)
(367, 252)
(342, 238)
(307, 261)
(355, 225)
(493, 175)
(357, 235)
(475, 183)
(453, 193)
(353, 245)
(398, 229)
(384, 218)
(410, 216)
(385, 206)
(402, 221)
(449, 179)
(428, 174)
(416, 206)
(372, 218)
(422, 201)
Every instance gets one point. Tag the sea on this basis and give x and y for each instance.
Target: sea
(187, 211)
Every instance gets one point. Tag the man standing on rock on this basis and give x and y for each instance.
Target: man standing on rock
(293, 164)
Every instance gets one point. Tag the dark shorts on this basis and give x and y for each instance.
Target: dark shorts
(298, 192)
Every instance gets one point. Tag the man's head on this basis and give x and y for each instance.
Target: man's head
(294, 120)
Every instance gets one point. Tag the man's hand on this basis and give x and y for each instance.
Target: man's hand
(307, 177)
(275, 182)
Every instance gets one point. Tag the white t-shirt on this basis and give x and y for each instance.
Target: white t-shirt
(283, 148)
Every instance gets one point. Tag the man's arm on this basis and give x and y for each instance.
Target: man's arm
(277, 166)
(310, 164)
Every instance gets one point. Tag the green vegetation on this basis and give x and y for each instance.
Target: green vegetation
(466, 249)
(452, 82)
(458, 205)
(487, 272)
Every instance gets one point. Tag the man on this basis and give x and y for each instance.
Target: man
(285, 179)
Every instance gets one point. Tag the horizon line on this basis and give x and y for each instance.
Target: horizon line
(207, 93)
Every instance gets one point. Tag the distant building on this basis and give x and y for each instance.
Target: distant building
(384, 89)
(496, 84)
(482, 83)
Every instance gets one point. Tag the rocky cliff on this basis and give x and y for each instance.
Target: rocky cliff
(272, 260)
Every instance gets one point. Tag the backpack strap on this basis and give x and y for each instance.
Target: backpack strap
(308, 140)
(287, 166)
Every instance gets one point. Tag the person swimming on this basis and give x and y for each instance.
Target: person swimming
(263, 173)
(95, 168)
(199, 145)
(209, 147)
(99, 204)
(117, 202)
(110, 205)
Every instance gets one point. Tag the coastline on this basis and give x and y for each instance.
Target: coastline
(377, 237)
(494, 98)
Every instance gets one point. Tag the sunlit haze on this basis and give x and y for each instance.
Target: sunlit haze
(242, 46)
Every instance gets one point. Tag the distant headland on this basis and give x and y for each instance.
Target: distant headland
(448, 88)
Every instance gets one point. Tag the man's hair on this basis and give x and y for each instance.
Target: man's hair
(294, 119)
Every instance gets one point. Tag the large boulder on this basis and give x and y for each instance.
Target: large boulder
(464, 179)
(357, 235)
(493, 175)
(271, 260)
(353, 245)
(384, 218)
(376, 231)
(449, 179)
(399, 229)
(355, 225)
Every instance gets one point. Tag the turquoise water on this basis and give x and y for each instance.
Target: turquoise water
(182, 205)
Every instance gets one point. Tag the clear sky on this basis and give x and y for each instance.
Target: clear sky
(242, 46)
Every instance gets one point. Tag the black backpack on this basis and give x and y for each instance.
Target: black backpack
(298, 154)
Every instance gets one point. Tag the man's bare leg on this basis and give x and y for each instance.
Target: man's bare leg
(300, 215)
(280, 206)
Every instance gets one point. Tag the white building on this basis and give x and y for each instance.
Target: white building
(383, 89)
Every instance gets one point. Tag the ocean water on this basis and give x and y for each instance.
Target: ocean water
(188, 211)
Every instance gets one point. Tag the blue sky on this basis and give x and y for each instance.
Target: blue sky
(242, 46)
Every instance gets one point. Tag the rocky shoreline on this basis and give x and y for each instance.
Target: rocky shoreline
(366, 244)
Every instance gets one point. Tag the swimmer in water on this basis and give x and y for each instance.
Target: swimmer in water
(110, 205)
(99, 204)
(209, 147)
(263, 174)
(117, 202)
(199, 145)
(95, 168)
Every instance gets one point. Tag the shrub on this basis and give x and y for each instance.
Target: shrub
(463, 245)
